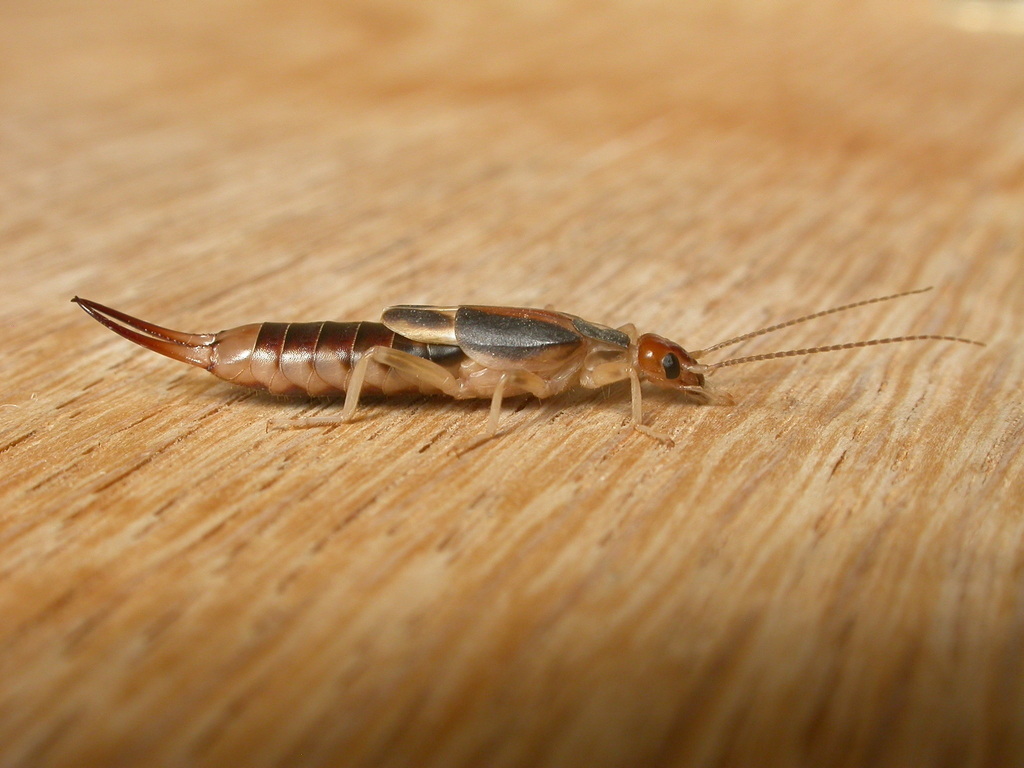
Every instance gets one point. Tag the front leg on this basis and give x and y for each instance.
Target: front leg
(635, 392)
(638, 414)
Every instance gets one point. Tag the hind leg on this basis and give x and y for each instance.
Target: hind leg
(414, 369)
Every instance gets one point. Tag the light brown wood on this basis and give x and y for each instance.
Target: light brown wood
(830, 572)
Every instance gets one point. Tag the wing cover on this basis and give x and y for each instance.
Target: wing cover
(601, 333)
(513, 338)
(429, 325)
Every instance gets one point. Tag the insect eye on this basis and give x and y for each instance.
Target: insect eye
(670, 364)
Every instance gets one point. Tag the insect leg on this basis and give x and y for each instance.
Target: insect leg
(522, 379)
(638, 415)
(637, 395)
(424, 373)
(495, 414)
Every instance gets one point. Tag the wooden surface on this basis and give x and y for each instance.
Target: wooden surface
(829, 572)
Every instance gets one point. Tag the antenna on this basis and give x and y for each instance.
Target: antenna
(804, 319)
(836, 347)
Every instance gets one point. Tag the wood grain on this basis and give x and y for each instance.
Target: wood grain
(829, 572)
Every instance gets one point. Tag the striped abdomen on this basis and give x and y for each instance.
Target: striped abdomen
(317, 358)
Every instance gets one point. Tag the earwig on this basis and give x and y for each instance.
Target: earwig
(462, 352)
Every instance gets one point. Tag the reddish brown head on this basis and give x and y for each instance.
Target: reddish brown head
(666, 364)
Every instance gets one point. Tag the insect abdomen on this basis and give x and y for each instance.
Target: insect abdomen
(315, 358)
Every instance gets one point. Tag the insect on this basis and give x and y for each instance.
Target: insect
(459, 351)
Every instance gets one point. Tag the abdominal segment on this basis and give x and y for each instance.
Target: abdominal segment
(317, 359)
